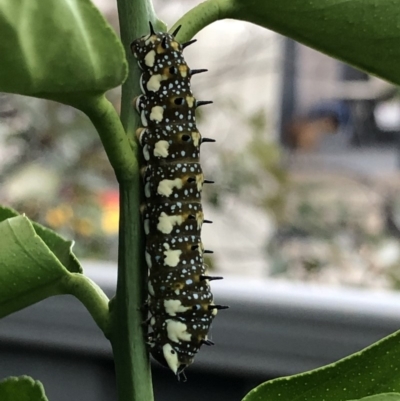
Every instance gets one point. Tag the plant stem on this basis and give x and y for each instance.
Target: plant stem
(199, 17)
(134, 17)
(127, 338)
(131, 358)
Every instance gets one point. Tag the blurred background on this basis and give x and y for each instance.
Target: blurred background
(305, 162)
(306, 208)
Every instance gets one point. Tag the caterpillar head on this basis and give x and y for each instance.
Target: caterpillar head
(169, 356)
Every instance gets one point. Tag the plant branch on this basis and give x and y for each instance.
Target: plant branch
(92, 296)
(199, 17)
(116, 144)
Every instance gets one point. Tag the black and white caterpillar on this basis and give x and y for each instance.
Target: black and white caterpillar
(180, 300)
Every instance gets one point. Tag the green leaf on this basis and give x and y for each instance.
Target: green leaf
(371, 371)
(58, 49)
(34, 262)
(381, 397)
(364, 33)
(22, 388)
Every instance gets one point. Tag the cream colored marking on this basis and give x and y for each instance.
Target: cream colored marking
(171, 256)
(171, 357)
(199, 219)
(150, 58)
(143, 118)
(161, 149)
(190, 101)
(150, 288)
(147, 190)
(175, 45)
(155, 82)
(139, 134)
(165, 187)
(157, 113)
(199, 181)
(166, 223)
(137, 103)
(146, 153)
(196, 138)
(150, 39)
(148, 259)
(183, 70)
(146, 225)
(152, 321)
(177, 292)
(143, 171)
(141, 84)
(214, 311)
(174, 306)
(177, 331)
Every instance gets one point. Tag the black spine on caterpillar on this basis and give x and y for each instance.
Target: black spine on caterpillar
(180, 300)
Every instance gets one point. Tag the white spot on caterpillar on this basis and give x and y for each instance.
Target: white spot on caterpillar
(199, 181)
(147, 193)
(150, 288)
(183, 71)
(146, 225)
(146, 153)
(143, 118)
(171, 357)
(149, 39)
(157, 114)
(165, 187)
(190, 101)
(199, 219)
(148, 259)
(161, 149)
(139, 133)
(171, 256)
(177, 331)
(137, 104)
(196, 138)
(154, 83)
(166, 223)
(214, 311)
(141, 84)
(149, 58)
(174, 306)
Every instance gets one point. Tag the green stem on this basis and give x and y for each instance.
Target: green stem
(116, 144)
(92, 296)
(199, 17)
(134, 17)
(127, 338)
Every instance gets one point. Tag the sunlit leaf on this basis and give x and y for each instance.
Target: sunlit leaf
(22, 388)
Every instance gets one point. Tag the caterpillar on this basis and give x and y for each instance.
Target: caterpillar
(180, 301)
